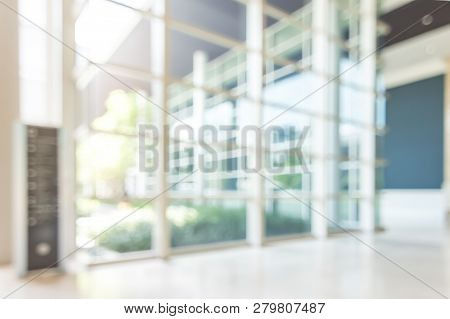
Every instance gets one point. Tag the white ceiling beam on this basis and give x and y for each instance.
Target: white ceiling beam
(390, 5)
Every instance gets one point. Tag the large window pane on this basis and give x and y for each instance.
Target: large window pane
(287, 216)
(111, 185)
(196, 222)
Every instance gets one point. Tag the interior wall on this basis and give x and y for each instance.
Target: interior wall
(412, 198)
(414, 141)
(9, 111)
(412, 209)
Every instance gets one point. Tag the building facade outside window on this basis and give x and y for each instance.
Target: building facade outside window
(305, 74)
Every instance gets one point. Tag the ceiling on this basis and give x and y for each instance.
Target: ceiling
(415, 18)
(418, 58)
(416, 47)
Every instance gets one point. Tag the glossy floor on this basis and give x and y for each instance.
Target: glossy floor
(340, 267)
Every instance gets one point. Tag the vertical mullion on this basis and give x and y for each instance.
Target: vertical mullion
(318, 132)
(332, 110)
(325, 128)
(255, 72)
(368, 22)
(159, 67)
(68, 160)
(199, 101)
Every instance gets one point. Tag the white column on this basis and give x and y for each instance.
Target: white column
(446, 185)
(67, 155)
(54, 63)
(159, 67)
(368, 151)
(9, 112)
(255, 44)
(199, 100)
(332, 109)
(325, 133)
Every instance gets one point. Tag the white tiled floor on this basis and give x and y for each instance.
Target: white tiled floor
(339, 267)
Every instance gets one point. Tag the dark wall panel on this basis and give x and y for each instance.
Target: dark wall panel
(414, 141)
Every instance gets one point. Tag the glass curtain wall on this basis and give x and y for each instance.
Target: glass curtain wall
(217, 68)
(113, 86)
(287, 80)
(206, 90)
(360, 114)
